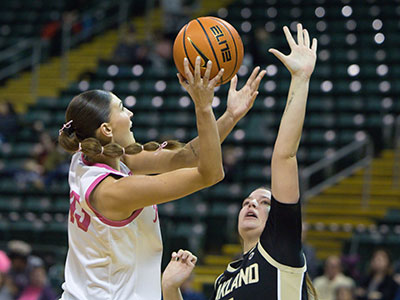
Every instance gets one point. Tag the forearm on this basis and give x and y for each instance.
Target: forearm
(210, 157)
(291, 125)
(171, 293)
(190, 153)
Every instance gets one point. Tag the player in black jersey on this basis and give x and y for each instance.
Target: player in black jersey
(273, 265)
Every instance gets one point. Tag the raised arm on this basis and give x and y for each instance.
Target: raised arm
(238, 104)
(176, 273)
(118, 198)
(300, 63)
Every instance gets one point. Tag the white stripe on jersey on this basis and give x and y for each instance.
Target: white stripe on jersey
(113, 260)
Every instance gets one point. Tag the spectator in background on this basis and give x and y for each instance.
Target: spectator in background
(332, 278)
(161, 53)
(231, 155)
(188, 293)
(56, 165)
(344, 293)
(29, 175)
(19, 252)
(379, 283)
(5, 283)
(38, 288)
(129, 51)
(8, 122)
(177, 13)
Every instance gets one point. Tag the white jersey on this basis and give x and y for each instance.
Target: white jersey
(109, 260)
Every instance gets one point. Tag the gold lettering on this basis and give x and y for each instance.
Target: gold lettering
(253, 273)
(235, 282)
(225, 288)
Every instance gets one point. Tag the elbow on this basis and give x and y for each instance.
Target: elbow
(214, 177)
(283, 155)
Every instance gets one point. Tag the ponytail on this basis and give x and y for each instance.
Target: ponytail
(312, 293)
(92, 147)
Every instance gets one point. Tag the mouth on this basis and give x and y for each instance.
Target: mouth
(251, 215)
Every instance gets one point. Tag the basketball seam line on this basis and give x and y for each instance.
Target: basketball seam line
(233, 39)
(215, 56)
(184, 46)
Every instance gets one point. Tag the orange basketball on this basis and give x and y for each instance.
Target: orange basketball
(212, 39)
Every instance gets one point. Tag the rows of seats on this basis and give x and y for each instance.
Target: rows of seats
(352, 93)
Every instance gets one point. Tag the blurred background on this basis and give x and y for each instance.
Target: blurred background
(349, 154)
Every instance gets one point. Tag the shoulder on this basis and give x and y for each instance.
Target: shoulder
(345, 280)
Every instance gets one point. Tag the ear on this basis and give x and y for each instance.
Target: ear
(105, 130)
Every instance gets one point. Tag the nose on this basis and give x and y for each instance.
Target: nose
(253, 203)
(130, 113)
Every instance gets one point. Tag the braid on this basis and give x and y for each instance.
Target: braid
(92, 147)
(69, 142)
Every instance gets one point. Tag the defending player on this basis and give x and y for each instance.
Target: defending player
(273, 265)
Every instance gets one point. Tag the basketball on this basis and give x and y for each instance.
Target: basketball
(212, 39)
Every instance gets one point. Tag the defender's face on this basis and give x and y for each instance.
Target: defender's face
(254, 213)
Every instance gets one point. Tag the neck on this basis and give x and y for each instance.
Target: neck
(249, 243)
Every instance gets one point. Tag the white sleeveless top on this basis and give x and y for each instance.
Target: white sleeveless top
(109, 260)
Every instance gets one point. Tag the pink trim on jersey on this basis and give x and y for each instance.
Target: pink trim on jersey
(99, 215)
(94, 184)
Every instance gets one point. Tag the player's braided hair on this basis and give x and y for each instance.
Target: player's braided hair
(85, 113)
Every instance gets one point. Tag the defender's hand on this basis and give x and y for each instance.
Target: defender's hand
(302, 58)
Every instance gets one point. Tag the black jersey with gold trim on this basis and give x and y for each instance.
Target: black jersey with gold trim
(275, 268)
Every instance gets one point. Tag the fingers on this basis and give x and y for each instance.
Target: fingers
(300, 39)
(289, 37)
(188, 73)
(253, 98)
(217, 78)
(182, 81)
(278, 54)
(314, 45)
(306, 38)
(256, 83)
(207, 73)
(184, 256)
(253, 76)
(233, 85)
(197, 75)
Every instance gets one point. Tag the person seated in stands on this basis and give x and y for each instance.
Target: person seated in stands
(344, 293)
(129, 50)
(379, 283)
(8, 122)
(332, 278)
(38, 288)
(5, 282)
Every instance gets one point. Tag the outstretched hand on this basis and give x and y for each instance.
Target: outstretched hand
(201, 90)
(179, 269)
(240, 102)
(302, 58)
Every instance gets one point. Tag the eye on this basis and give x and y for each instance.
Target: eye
(265, 202)
(245, 203)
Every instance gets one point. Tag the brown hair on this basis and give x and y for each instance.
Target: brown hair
(88, 111)
(311, 289)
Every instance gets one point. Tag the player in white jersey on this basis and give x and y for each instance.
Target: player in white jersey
(273, 265)
(114, 237)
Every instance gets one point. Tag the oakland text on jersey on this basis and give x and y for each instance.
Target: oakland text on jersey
(246, 276)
